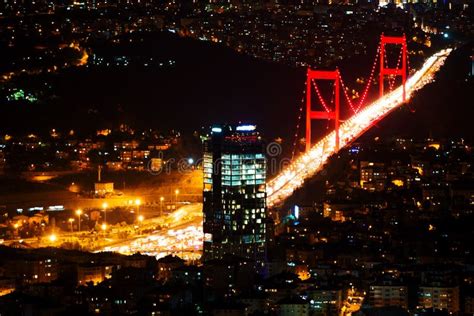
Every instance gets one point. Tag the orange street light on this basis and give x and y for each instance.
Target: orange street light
(79, 213)
(71, 220)
(161, 205)
(137, 203)
(53, 237)
(104, 207)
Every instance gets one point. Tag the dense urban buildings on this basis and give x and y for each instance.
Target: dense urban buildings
(124, 191)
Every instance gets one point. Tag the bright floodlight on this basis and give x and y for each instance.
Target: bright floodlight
(246, 128)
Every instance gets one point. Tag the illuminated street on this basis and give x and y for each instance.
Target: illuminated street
(179, 232)
(182, 236)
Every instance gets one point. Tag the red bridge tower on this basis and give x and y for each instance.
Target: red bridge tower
(328, 114)
(385, 71)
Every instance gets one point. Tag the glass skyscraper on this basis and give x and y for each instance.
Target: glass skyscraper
(234, 193)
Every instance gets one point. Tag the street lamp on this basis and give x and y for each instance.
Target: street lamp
(140, 219)
(104, 207)
(137, 203)
(176, 192)
(104, 227)
(71, 220)
(79, 213)
(161, 205)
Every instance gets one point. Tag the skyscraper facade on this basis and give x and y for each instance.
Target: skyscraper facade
(234, 193)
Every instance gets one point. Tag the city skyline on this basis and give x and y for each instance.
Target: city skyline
(309, 158)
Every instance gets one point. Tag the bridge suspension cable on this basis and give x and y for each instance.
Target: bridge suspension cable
(361, 100)
(320, 97)
(298, 123)
(313, 160)
(329, 114)
(385, 70)
(393, 78)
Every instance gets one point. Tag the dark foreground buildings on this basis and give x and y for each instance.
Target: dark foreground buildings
(234, 193)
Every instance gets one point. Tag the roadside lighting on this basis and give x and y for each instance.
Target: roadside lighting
(176, 192)
(104, 207)
(161, 205)
(103, 227)
(140, 218)
(79, 213)
(137, 203)
(71, 220)
(53, 237)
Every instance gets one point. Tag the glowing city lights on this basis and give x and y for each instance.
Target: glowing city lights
(53, 237)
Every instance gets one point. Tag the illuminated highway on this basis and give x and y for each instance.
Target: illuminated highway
(179, 232)
(308, 164)
(181, 235)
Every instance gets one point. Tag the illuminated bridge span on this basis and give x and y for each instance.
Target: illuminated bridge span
(313, 160)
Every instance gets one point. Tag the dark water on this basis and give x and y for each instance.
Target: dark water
(211, 84)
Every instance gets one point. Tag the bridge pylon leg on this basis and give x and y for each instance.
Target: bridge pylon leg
(386, 71)
(328, 114)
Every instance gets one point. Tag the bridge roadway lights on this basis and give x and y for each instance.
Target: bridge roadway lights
(385, 71)
(321, 115)
(330, 114)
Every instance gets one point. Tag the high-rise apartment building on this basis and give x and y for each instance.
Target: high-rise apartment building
(234, 193)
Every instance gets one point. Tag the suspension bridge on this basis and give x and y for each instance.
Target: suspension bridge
(364, 115)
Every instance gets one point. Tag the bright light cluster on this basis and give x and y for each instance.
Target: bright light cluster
(305, 166)
(185, 242)
(178, 233)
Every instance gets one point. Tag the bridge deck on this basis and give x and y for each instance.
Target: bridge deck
(311, 162)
